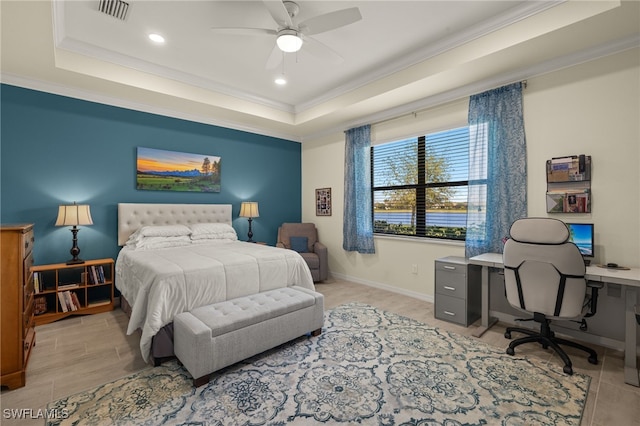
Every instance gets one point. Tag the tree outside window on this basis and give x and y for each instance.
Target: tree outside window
(420, 185)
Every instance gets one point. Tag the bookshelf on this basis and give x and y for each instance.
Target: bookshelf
(63, 290)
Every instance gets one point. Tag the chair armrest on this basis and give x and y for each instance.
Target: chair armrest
(280, 244)
(319, 247)
(593, 301)
(323, 257)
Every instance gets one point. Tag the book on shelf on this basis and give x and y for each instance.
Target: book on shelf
(76, 301)
(38, 283)
(63, 302)
(96, 274)
(68, 286)
(68, 301)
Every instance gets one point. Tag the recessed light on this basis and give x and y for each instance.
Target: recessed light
(281, 81)
(157, 38)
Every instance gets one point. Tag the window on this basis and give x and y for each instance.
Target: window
(420, 185)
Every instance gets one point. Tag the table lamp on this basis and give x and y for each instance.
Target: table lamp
(74, 215)
(249, 209)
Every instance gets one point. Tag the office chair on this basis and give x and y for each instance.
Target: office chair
(544, 275)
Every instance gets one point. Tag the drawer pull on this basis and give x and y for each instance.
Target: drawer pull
(446, 287)
(450, 313)
(452, 268)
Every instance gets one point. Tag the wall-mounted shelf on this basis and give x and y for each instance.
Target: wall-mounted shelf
(569, 184)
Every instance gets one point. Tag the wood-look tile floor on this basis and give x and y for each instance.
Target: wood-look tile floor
(80, 353)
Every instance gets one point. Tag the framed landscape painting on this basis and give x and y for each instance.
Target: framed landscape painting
(161, 170)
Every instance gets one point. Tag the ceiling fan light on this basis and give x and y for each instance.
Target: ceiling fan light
(289, 42)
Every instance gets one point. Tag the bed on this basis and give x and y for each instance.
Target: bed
(177, 257)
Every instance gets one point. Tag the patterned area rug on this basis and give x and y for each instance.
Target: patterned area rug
(368, 367)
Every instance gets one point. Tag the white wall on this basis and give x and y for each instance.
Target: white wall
(592, 109)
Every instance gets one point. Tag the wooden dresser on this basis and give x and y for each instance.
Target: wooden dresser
(16, 304)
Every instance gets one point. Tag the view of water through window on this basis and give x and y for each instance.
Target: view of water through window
(420, 185)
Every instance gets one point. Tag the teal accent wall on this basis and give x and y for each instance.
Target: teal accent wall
(56, 150)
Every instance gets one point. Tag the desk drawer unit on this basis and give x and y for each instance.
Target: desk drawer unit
(457, 290)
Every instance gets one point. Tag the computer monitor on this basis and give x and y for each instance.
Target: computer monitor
(581, 234)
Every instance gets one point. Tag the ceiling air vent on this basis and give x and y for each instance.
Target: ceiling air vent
(116, 8)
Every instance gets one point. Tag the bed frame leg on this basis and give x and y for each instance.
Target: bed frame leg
(201, 381)
(316, 332)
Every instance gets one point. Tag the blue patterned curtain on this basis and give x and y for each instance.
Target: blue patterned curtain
(358, 220)
(497, 168)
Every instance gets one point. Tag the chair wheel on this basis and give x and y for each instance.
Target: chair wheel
(507, 335)
(568, 370)
(593, 360)
(510, 351)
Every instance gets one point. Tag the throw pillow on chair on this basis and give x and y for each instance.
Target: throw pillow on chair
(299, 244)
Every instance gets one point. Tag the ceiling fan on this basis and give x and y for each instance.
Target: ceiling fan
(292, 35)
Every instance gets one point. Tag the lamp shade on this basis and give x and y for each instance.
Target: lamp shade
(249, 209)
(74, 215)
(289, 41)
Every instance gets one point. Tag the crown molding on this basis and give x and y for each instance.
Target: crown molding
(556, 64)
(61, 90)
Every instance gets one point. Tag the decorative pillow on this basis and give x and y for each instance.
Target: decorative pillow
(299, 244)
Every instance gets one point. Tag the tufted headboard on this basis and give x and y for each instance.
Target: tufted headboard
(132, 216)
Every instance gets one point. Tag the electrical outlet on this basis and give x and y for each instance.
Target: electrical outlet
(414, 268)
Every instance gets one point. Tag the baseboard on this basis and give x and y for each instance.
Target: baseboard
(404, 292)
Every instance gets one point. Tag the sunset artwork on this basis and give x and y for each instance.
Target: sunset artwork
(161, 170)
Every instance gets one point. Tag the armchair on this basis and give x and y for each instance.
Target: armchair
(544, 275)
(293, 235)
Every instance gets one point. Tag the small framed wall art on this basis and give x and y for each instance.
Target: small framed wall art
(323, 202)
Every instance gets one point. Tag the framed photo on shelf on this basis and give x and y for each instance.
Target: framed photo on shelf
(323, 202)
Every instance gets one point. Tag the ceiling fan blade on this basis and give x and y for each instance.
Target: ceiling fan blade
(244, 31)
(275, 58)
(279, 12)
(321, 51)
(330, 21)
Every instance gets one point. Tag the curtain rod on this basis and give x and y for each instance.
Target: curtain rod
(415, 113)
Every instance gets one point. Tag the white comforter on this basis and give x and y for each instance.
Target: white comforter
(162, 283)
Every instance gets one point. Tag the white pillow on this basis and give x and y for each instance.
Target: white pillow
(213, 240)
(146, 243)
(164, 231)
(211, 228)
(232, 236)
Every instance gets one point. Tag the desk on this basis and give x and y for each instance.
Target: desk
(629, 279)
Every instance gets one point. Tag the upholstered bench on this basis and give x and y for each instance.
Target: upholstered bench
(216, 336)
